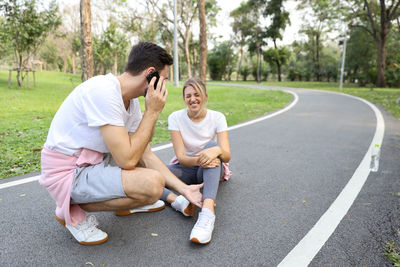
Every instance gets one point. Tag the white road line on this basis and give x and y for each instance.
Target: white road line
(168, 145)
(18, 182)
(304, 252)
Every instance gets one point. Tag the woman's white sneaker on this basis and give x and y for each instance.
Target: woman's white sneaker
(202, 230)
(183, 205)
(86, 232)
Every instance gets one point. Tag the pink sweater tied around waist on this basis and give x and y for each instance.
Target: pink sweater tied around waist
(58, 176)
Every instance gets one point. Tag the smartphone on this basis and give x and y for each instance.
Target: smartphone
(151, 75)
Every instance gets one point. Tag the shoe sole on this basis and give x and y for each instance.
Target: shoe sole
(95, 242)
(62, 222)
(189, 211)
(128, 212)
(195, 240)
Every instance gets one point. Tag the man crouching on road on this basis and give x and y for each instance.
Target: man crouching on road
(97, 155)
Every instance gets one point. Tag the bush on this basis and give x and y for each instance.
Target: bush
(244, 71)
(392, 75)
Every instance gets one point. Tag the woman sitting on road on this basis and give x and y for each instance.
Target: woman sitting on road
(199, 158)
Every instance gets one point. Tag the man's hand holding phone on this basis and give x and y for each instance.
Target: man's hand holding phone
(155, 99)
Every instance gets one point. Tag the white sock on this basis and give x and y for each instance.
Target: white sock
(207, 212)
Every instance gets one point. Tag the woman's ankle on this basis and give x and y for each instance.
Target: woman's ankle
(209, 203)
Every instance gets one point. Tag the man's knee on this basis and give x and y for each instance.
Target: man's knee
(146, 185)
(157, 181)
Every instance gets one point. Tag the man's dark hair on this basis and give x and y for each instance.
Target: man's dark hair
(145, 55)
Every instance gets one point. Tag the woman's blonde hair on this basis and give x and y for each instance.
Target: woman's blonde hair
(198, 85)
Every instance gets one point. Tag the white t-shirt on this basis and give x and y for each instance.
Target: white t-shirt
(196, 135)
(96, 102)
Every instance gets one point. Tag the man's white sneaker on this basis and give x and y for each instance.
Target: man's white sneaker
(202, 230)
(158, 205)
(183, 205)
(87, 233)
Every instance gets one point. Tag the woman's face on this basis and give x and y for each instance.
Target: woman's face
(193, 99)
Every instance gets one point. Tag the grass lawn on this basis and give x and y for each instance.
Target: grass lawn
(385, 97)
(26, 114)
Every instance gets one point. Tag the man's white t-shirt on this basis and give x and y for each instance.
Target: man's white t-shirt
(196, 135)
(94, 103)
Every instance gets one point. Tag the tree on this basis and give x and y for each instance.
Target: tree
(76, 48)
(320, 16)
(376, 18)
(100, 54)
(86, 41)
(280, 18)
(360, 57)
(203, 40)
(116, 43)
(25, 28)
(257, 34)
(241, 27)
(278, 57)
(187, 13)
(71, 25)
(218, 59)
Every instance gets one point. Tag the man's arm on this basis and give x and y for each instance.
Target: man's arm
(191, 192)
(128, 149)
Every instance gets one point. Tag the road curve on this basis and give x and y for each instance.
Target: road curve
(288, 170)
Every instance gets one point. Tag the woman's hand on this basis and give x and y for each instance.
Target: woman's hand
(206, 156)
(214, 163)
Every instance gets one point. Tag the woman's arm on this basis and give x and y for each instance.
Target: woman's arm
(222, 151)
(223, 143)
(180, 151)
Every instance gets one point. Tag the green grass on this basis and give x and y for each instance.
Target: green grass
(385, 97)
(26, 114)
(392, 252)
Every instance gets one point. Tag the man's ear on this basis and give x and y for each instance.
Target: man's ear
(150, 70)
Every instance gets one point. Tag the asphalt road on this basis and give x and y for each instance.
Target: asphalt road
(287, 171)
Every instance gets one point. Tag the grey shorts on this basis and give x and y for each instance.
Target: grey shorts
(97, 183)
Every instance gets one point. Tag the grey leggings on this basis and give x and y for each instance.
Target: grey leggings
(198, 175)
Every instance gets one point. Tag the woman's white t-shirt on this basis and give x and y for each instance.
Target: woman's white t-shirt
(196, 135)
(92, 104)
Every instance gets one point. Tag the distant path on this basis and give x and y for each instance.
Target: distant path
(288, 170)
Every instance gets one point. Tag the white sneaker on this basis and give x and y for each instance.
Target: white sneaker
(158, 205)
(87, 233)
(202, 230)
(183, 205)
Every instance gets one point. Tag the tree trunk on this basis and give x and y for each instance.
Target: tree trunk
(187, 53)
(203, 41)
(381, 81)
(86, 41)
(229, 67)
(278, 63)
(19, 71)
(239, 63)
(65, 64)
(258, 63)
(101, 68)
(73, 63)
(318, 57)
(115, 67)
